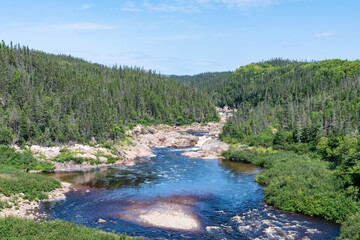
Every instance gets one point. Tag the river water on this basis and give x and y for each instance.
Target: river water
(222, 197)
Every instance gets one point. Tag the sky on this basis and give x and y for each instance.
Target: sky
(182, 36)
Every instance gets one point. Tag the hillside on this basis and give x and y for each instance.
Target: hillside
(205, 82)
(48, 98)
(317, 96)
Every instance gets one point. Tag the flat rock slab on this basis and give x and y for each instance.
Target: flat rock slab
(175, 212)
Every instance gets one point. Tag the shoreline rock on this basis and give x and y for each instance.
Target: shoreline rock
(144, 138)
(24, 208)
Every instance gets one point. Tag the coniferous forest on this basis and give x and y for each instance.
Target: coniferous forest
(49, 98)
(301, 122)
(205, 82)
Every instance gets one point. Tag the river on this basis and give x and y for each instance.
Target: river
(214, 199)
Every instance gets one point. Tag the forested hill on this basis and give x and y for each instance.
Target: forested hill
(288, 95)
(203, 81)
(302, 119)
(47, 98)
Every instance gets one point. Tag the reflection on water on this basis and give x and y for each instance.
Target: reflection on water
(148, 199)
(241, 168)
(108, 177)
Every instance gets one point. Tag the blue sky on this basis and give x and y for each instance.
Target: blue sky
(186, 37)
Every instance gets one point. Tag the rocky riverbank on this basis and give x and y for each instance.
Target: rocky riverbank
(139, 142)
(17, 206)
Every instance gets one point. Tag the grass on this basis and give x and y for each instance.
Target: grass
(33, 186)
(16, 228)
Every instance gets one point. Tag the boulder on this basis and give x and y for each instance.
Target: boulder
(144, 130)
(101, 221)
(150, 140)
(215, 146)
(151, 130)
(103, 159)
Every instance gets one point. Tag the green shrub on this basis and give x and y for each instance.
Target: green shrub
(107, 145)
(66, 156)
(298, 183)
(24, 160)
(304, 185)
(351, 228)
(16, 228)
(265, 138)
(33, 186)
(112, 160)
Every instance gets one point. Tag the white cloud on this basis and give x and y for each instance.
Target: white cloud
(183, 6)
(128, 9)
(325, 34)
(191, 6)
(248, 3)
(176, 37)
(84, 26)
(87, 6)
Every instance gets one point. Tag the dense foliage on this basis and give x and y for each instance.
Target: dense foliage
(16, 228)
(298, 183)
(33, 186)
(351, 228)
(314, 97)
(206, 82)
(47, 98)
(24, 161)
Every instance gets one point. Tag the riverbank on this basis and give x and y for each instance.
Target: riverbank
(138, 143)
(171, 196)
(17, 206)
(299, 183)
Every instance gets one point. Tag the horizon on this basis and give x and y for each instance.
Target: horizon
(169, 75)
(186, 37)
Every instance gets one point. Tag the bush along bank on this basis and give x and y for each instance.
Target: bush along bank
(298, 183)
(318, 176)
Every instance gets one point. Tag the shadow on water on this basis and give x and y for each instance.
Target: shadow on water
(172, 196)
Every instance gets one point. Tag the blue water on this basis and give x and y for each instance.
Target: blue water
(222, 195)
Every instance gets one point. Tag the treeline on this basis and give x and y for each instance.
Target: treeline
(46, 98)
(311, 98)
(206, 82)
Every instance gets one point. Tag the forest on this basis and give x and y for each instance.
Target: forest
(301, 122)
(48, 99)
(205, 82)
